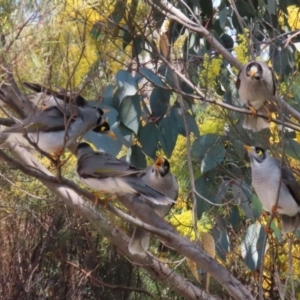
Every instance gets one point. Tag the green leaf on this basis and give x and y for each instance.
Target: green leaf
(221, 238)
(191, 39)
(159, 103)
(151, 76)
(137, 46)
(119, 11)
(127, 37)
(256, 207)
(206, 8)
(124, 134)
(148, 137)
(210, 150)
(136, 157)
(223, 14)
(292, 149)
(168, 135)
(276, 230)
(104, 142)
(235, 218)
(213, 157)
(242, 194)
(126, 84)
(176, 112)
(252, 246)
(205, 188)
(202, 144)
(130, 112)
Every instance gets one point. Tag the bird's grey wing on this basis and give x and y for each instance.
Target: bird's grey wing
(103, 165)
(64, 95)
(51, 119)
(290, 182)
(290, 224)
(273, 80)
(238, 80)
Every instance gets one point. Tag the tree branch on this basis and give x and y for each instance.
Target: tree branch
(159, 271)
(173, 13)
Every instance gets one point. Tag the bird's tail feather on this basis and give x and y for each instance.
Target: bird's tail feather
(290, 224)
(156, 197)
(139, 242)
(256, 123)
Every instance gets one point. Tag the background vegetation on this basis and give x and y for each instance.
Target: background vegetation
(166, 70)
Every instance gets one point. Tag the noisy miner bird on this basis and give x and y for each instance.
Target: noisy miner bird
(105, 173)
(53, 129)
(45, 97)
(270, 182)
(256, 85)
(161, 179)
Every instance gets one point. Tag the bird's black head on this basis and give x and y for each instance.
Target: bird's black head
(257, 153)
(100, 111)
(162, 166)
(254, 70)
(102, 126)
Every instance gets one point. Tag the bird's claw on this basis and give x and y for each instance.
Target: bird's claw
(106, 199)
(253, 110)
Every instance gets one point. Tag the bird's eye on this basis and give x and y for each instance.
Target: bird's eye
(259, 152)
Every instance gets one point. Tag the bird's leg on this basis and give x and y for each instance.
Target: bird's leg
(269, 113)
(106, 199)
(253, 110)
(56, 158)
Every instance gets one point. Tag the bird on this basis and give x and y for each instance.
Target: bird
(54, 128)
(257, 87)
(45, 97)
(272, 180)
(105, 173)
(159, 177)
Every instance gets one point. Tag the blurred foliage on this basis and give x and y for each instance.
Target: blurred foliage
(109, 51)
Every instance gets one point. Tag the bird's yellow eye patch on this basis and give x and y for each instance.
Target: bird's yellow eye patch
(259, 152)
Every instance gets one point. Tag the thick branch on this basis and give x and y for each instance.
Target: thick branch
(173, 13)
(157, 270)
(183, 246)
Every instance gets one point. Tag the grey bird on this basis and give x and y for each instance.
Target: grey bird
(46, 97)
(161, 179)
(256, 85)
(271, 182)
(105, 173)
(53, 129)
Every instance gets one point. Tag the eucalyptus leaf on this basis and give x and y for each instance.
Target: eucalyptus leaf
(221, 238)
(136, 157)
(168, 135)
(148, 137)
(205, 188)
(151, 76)
(130, 112)
(126, 83)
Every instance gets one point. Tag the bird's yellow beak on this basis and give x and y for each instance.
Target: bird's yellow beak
(111, 134)
(249, 149)
(253, 72)
(158, 162)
